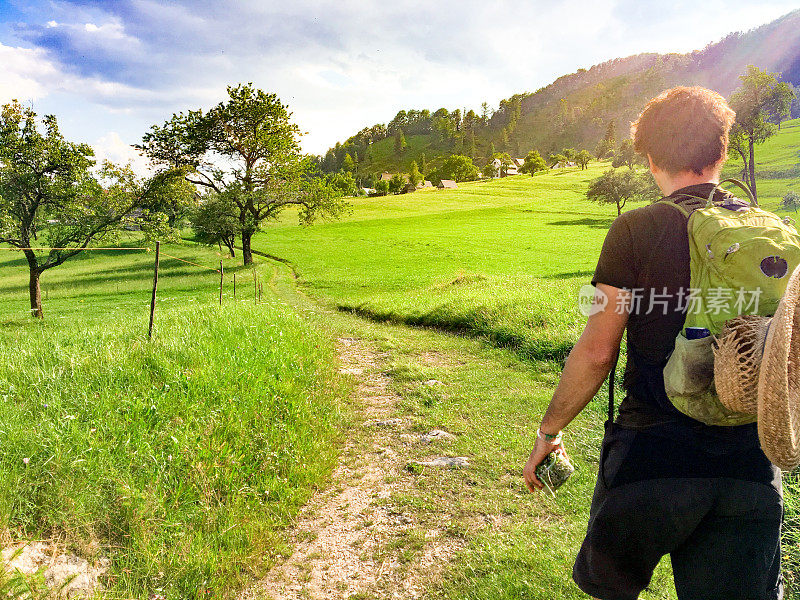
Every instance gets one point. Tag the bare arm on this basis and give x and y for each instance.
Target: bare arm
(586, 368)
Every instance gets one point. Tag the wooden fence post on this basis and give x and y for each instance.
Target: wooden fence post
(155, 287)
(221, 279)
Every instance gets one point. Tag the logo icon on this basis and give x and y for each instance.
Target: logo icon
(591, 300)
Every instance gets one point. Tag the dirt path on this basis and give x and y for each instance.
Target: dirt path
(343, 537)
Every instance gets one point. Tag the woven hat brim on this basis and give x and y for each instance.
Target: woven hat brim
(779, 382)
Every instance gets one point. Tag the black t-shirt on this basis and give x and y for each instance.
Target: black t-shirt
(646, 252)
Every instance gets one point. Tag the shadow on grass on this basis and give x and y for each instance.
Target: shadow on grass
(595, 223)
(569, 275)
(531, 349)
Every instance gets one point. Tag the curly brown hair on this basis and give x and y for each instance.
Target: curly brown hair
(684, 129)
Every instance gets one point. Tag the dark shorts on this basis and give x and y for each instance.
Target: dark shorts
(722, 533)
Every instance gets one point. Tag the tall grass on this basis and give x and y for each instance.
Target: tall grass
(180, 458)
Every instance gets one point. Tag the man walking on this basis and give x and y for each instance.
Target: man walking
(667, 483)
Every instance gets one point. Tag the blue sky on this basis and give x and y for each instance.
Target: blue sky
(110, 69)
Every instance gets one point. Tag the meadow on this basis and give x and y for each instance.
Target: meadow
(501, 261)
(183, 458)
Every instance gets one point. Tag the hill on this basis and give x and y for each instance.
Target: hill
(575, 110)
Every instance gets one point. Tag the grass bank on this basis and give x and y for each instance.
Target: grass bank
(182, 459)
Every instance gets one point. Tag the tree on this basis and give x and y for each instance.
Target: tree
(790, 200)
(618, 187)
(399, 142)
(759, 94)
(215, 222)
(492, 151)
(583, 158)
(625, 155)
(414, 176)
(49, 196)
(248, 147)
(608, 142)
(397, 183)
(570, 154)
(176, 199)
(381, 188)
(423, 165)
(348, 164)
(555, 159)
(533, 163)
(779, 106)
(456, 167)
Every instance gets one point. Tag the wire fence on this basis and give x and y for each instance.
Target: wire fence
(258, 287)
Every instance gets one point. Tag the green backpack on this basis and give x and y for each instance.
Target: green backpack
(740, 261)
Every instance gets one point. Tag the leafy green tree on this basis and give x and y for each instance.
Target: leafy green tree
(397, 183)
(248, 147)
(625, 155)
(570, 154)
(533, 163)
(492, 151)
(414, 176)
(555, 159)
(399, 142)
(780, 104)
(583, 158)
(790, 200)
(348, 165)
(759, 94)
(456, 167)
(423, 165)
(489, 170)
(214, 221)
(381, 188)
(609, 141)
(175, 198)
(618, 187)
(343, 184)
(49, 196)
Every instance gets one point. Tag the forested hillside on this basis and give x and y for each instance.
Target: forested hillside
(577, 110)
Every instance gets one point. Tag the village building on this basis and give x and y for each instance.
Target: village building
(447, 184)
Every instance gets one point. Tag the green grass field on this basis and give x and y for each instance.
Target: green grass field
(185, 458)
(182, 458)
(501, 260)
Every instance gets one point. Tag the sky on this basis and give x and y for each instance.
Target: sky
(111, 69)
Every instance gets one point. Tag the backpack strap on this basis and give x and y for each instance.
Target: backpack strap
(611, 378)
(743, 186)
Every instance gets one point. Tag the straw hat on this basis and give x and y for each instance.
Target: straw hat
(757, 371)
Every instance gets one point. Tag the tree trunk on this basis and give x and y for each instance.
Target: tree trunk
(229, 242)
(33, 285)
(246, 252)
(752, 169)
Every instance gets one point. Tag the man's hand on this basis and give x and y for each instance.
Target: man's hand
(540, 451)
(587, 366)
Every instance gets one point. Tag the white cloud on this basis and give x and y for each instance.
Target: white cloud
(25, 74)
(111, 147)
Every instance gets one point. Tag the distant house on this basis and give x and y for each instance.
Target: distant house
(368, 191)
(424, 185)
(511, 169)
(386, 177)
(563, 165)
(447, 184)
(518, 162)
